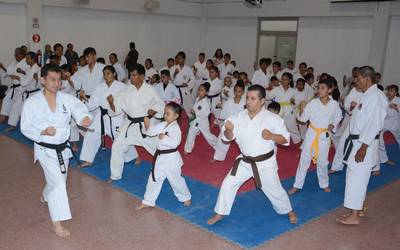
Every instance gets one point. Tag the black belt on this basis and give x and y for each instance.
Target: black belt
(348, 145)
(27, 93)
(103, 132)
(180, 92)
(156, 154)
(210, 97)
(136, 120)
(13, 88)
(253, 162)
(59, 148)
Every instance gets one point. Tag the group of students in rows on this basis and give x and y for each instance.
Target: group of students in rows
(258, 114)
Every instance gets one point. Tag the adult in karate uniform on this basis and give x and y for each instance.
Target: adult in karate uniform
(45, 120)
(139, 100)
(166, 90)
(184, 80)
(361, 148)
(103, 122)
(12, 101)
(256, 131)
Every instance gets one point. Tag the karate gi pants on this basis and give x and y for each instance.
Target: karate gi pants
(194, 130)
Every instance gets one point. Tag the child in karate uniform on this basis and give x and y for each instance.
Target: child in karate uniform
(200, 122)
(167, 160)
(324, 114)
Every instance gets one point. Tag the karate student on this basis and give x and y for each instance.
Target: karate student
(90, 76)
(361, 149)
(122, 77)
(45, 120)
(256, 131)
(323, 115)
(167, 160)
(290, 68)
(139, 100)
(300, 95)
(227, 90)
(14, 93)
(349, 82)
(215, 92)
(29, 82)
(150, 71)
(392, 119)
(262, 76)
(231, 107)
(199, 120)
(226, 68)
(170, 65)
(101, 60)
(276, 70)
(218, 57)
(104, 123)
(350, 103)
(82, 61)
(59, 51)
(311, 86)
(184, 80)
(284, 95)
(302, 70)
(199, 68)
(166, 90)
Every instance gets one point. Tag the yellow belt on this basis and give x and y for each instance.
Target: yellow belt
(314, 146)
(285, 104)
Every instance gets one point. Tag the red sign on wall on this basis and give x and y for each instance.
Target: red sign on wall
(36, 38)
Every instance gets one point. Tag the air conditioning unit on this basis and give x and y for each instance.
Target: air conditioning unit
(150, 5)
(253, 3)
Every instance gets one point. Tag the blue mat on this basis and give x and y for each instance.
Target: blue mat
(252, 221)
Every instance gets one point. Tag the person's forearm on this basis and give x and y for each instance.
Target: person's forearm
(279, 139)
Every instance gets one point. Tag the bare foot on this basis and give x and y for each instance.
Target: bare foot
(349, 220)
(42, 200)
(331, 171)
(186, 153)
(85, 164)
(214, 219)
(187, 203)
(75, 147)
(3, 119)
(390, 163)
(10, 129)
(60, 230)
(327, 190)
(292, 217)
(109, 181)
(212, 161)
(376, 173)
(293, 190)
(142, 206)
(138, 161)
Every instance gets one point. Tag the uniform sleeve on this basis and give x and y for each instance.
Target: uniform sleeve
(281, 129)
(77, 80)
(270, 94)
(305, 116)
(94, 101)
(337, 117)
(30, 127)
(78, 109)
(157, 104)
(225, 110)
(347, 101)
(254, 79)
(374, 115)
(204, 111)
(118, 104)
(235, 121)
(172, 139)
(156, 129)
(27, 79)
(176, 95)
(192, 79)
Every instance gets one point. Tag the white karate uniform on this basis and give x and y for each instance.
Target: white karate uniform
(88, 80)
(170, 93)
(300, 96)
(36, 117)
(278, 75)
(63, 61)
(185, 75)
(121, 73)
(261, 78)
(367, 121)
(167, 166)
(291, 71)
(248, 135)
(171, 72)
(68, 89)
(225, 70)
(12, 102)
(135, 103)
(229, 109)
(201, 75)
(200, 124)
(320, 116)
(92, 138)
(283, 97)
(311, 90)
(214, 95)
(230, 93)
(149, 73)
(343, 131)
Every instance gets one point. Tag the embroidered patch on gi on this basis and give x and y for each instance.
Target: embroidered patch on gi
(64, 109)
(199, 107)
(359, 106)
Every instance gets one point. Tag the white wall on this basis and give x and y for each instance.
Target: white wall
(334, 44)
(391, 73)
(12, 30)
(237, 36)
(156, 36)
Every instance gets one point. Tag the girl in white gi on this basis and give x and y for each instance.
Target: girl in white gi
(392, 119)
(150, 71)
(214, 94)
(226, 68)
(200, 71)
(45, 120)
(311, 86)
(218, 57)
(14, 92)
(184, 80)
(262, 76)
(170, 65)
(137, 101)
(166, 90)
(231, 107)
(361, 149)
(227, 90)
(168, 161)
(256, 131)
(103, 122)
(324, 114)
(122, 77)
(199, 120)
(284, 95)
